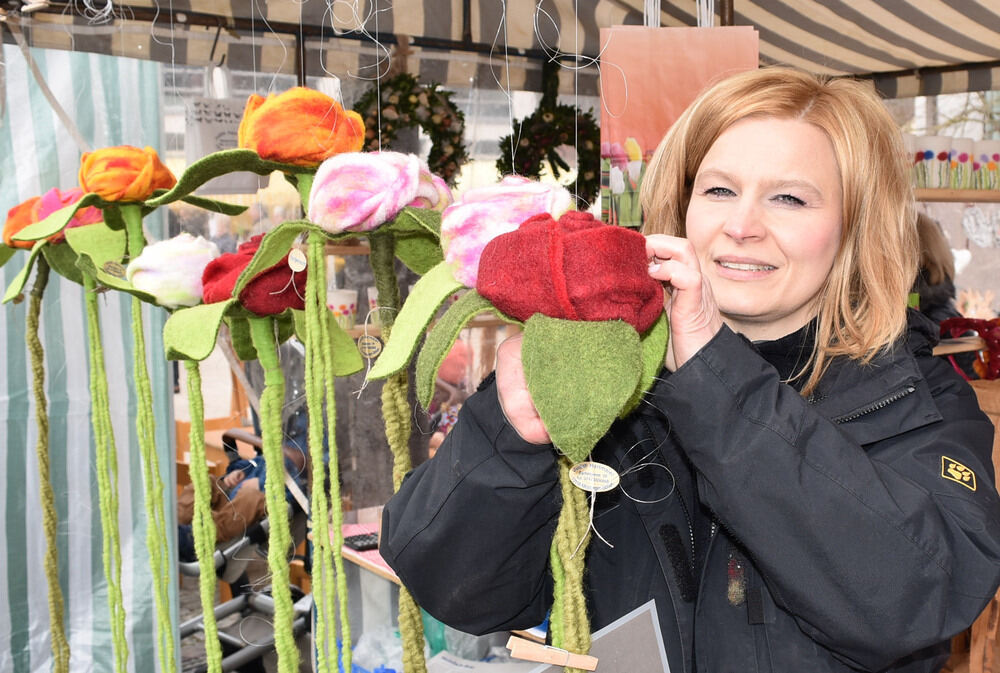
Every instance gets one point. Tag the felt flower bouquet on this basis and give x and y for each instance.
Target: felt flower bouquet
(595, 336)
(88, 235)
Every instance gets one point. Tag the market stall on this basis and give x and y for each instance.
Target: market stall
(76, 79)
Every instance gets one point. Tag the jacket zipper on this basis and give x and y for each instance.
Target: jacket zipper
(875, 406)
(680, 499)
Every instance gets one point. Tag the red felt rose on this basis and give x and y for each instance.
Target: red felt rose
(269, 293)
(576, 268)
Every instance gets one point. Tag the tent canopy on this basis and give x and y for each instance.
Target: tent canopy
(909, 47)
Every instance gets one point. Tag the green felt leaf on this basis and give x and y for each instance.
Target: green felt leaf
(100, 251)
(419, 252)
(239, 334)
(442, 337)
(214, 165)
(6, 253)
(654, 351)
(344, 351)
(347, 359)
(56, 221)
(99, 242)
(299, 320)
(286, 326)
(190, 333)
(580, 375)
(113, 217)
(62, 259)
(17, 285)
(107, 275)
(412, 219)
(214, 206)
(275, 245)
(429, 292)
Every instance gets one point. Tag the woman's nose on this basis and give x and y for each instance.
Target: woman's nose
(744, 221)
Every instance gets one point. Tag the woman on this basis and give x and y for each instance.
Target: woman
(806, 488)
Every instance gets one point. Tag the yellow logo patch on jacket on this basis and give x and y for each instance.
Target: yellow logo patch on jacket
(955, 471)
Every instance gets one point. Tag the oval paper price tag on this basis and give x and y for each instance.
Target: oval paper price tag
(593, 477)
(369, 346)
(297, 260)
(114, 269)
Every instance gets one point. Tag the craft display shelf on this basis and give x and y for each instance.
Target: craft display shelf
(958, 195)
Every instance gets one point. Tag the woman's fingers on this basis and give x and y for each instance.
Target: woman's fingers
(691, 308)
(512, 389)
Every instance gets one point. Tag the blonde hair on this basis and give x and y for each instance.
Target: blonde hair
(862, 307)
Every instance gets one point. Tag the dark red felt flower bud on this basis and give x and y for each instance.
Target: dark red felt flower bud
(576, 268)
(269, 293)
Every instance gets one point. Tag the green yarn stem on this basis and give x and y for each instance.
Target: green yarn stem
(279, 538)
(336, 504)
(145, 425)
(50, 518)
(107, 476)
(569, 623)
(202, 524)
(322, 569)
(396, 414)
(338, 591)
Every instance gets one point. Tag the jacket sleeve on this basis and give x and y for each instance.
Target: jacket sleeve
(469, 530)
(860, 530)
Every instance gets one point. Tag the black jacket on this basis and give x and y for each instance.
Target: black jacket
(775, 533)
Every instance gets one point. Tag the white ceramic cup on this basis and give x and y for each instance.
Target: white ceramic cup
(935, 169)
(987, 158)
(961, 163)
(344, 304)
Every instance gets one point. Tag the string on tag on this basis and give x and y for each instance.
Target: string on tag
(591, 526)
(645, 462)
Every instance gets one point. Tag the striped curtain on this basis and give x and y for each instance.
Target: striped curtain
(113, 101)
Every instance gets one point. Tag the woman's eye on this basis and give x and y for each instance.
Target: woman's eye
(718, 191)
(789, 200)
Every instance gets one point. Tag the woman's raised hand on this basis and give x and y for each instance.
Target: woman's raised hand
(512, 389)
(691, 308)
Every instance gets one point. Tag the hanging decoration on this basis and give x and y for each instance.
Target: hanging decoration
(402, 102)
(536, 139)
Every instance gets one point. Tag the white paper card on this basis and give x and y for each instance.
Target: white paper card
(630, 644)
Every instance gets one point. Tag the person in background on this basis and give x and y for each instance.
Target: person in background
(935, 287)
(935, 282)
(815, 491)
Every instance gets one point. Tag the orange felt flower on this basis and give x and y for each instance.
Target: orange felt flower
(124, 173)
(300, 126)
(18, 218)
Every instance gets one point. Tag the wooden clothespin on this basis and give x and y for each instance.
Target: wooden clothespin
(521, 648)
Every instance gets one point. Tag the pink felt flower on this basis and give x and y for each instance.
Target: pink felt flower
(359, 191)
(482, 214)
(433, 192)
(54, 200)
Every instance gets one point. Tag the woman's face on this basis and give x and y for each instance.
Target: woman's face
(765, 220)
